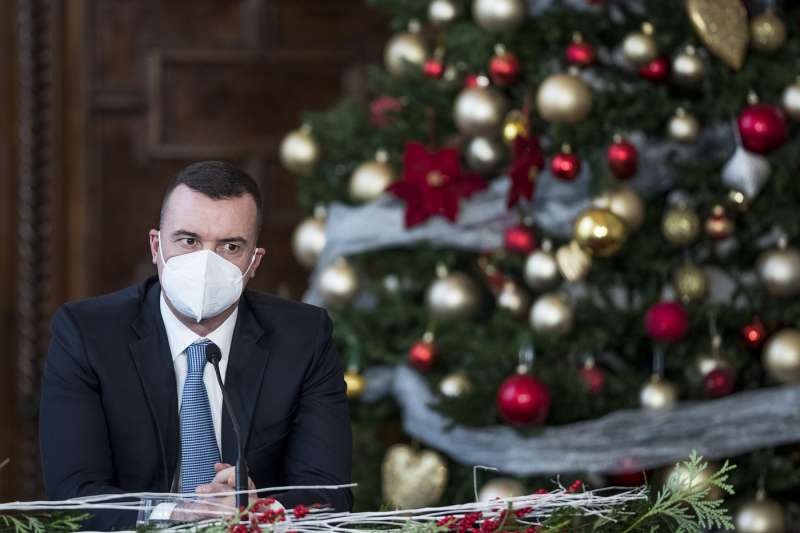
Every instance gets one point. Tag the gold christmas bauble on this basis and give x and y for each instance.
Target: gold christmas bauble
(624, 202)
(760, 515)
(690, 282)
(404, 54)
(779, 270)
(687, 68)
(680, 225)
(767, 32)
(479, 111)
(781, 356)
(443, 12)
(299, 152)
(683, 126)
(658, 394)
(308, 240)
(573, 261)
(639, 47)
(551, 314)
(564, 98)
(791, 100)
(370, 180)
(413, 479)
(499, 15)
(484, 154)
(452, 297)
(541, 269)
(355, 383)
(513, 299)
(600, 232)
(514, 125)
(722, 26)
(455, 385)
(338, 283)
(501, 487)
(679, 476)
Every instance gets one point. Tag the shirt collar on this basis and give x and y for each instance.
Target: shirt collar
(180, 337)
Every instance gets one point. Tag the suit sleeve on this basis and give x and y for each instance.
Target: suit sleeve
(320, 444)
(73, 436)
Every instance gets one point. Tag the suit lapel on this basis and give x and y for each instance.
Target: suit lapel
(243, 376)
(151, 357)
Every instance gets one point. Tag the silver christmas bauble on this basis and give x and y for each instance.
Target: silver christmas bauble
(338, 283)
(541, 269)
(760, 515)
(299, 152)
(499, 15)
(479, 111)
(683, 127)
(513, 299)
(455, 385)
(484, 154)
(781, 356)
(443, 12)
(658, 394)
(791, 100)
(687, 68)
(746, 172)
(501, 487)
(370, 180)
(551, 314)
(452, 297)
(639, 47)
(564, 99)
(779, 270)
(308, 240)
(404, 54)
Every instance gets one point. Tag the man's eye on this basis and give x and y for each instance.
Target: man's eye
(189, 241)
(231, 248)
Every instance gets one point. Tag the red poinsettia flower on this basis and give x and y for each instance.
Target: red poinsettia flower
(433, 184)
(528, 160)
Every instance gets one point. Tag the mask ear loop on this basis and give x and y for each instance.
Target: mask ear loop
(253, 260)
(160, 252)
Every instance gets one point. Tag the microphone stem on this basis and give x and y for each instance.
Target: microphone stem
(240, 470)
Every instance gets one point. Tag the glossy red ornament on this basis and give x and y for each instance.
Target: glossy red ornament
(719, 382)
(623, 159)
(522, 399)
(754, 334)
(422, 355)
(565, 165)
(581, 54)
(504, 69)
(656, 71)
(471, 81)
(630, 475)
(593, 378)
(433, 68)
(520, 239)
(762, 128)
(666, 322)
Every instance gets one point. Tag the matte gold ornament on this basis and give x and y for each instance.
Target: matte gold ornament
(573, 261)
(624, 202)
(541, 268)
(404, 54)
(308, 239)
(683, 126)
(639, 47)
(413, 479)
(370, 179)
(781, 356)
(299, 152)
(767, 32)
(499, 15)
(338, 283)
(452, 296)
(680, 475)
(501, 487)
(513, 299)
(687, 68)
(564, 99)
(760, 515)
(479, 111)
(600, 232)
(443, 12)
(551, 314)
(722, 26)
(355, 383)
(680, 225)
(658, 394)
(455, 385)
(514, 125)
(779, 270)
(484, 154)
(690, 282)
(791, 100)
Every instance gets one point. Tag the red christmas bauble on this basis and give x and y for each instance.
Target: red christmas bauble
(593, 378)
(754, 334)
(504, 69)
(762, 128)
(656, 71)
(433, 68)
(565, 166)
(520, 239)
(623, 159)
(666, 322)
(719, 382)
(631, 474)
(471, 81)
(523, 399)
(581, 54)
(422, 355)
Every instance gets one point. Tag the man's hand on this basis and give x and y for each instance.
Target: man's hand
(219, 507)
(224, 481)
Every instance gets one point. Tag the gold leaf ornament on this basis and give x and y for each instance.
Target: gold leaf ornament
(722, 26)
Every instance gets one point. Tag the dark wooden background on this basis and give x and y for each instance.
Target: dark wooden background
(101, 102)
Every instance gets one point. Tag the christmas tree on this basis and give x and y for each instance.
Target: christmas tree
(560, 238)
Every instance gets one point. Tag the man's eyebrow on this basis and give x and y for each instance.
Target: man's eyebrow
(187, 233)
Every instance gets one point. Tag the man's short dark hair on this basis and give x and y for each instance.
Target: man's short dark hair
(217, 180)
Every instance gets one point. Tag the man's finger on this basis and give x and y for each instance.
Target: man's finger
(212, 487)
(225, 476)
(219, 467)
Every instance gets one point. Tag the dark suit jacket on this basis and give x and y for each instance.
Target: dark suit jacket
(109, 410)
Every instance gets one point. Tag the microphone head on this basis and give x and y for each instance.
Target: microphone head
(213, 354)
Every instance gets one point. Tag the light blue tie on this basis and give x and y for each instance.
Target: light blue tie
(198, 443)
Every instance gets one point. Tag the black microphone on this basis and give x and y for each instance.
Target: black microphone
(214, 356)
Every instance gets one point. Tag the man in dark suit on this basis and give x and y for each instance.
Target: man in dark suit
(128, 403)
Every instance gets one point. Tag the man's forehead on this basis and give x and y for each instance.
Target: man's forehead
(197, 213)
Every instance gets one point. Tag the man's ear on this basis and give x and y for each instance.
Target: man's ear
(155, 243)
(260, 253)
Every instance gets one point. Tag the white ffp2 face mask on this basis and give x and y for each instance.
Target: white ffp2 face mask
(201, 284)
